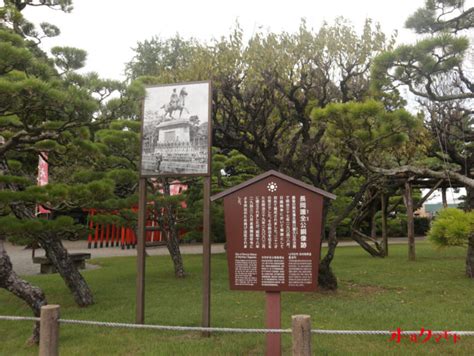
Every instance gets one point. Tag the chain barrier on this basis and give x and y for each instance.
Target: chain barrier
(230, 330)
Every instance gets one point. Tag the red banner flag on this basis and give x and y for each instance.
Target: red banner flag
(43, 177)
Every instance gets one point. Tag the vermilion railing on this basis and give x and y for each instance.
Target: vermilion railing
(109, 235)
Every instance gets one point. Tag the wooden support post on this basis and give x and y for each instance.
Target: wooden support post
(373, 220)
(410, 221)
(384, 201)
(140, 292)
(301, 335)
(273, 321)
(444, 197)
(206, 257)
(49, 330)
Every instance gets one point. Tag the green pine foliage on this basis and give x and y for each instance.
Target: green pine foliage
(26, 231)
(108, 165)
(45, 107)
(436, 69)
(229, 168)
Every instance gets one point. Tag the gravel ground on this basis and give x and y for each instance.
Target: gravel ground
(23, 265)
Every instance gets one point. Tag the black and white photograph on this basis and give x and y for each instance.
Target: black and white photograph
(175, 134)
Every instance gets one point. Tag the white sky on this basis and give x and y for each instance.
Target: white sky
(109, 29)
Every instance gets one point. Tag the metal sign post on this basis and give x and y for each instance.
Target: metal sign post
(140, 296)
(175, 141)
(273, 321)
(206, 257)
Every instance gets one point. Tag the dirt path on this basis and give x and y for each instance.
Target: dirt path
(23, 264)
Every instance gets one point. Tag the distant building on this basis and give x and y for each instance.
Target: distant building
(430, 210)
(422, 213)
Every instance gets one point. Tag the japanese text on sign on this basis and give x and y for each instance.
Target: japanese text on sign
(273, 223)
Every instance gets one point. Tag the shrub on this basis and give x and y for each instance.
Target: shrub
(451, 227)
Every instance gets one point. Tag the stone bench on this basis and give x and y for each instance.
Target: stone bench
(46, 267)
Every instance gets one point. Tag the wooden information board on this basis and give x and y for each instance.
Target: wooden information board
(273, 229)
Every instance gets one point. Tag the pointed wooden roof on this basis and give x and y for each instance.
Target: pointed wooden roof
(275, 174)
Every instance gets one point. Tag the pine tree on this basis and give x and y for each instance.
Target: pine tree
(436, 69)
(44, 107)
(14, 59)
(262, 107)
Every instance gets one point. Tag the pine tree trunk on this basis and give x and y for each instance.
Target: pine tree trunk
(326, 277)
(470, 257)
(469, 198)
(54, 248)
(31, 295)
(324, 236)
(172, 237)
(172, 242)
(76, 283)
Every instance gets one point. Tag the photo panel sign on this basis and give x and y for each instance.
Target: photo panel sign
(176, 129)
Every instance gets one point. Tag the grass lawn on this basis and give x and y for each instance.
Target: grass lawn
(374, 294)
